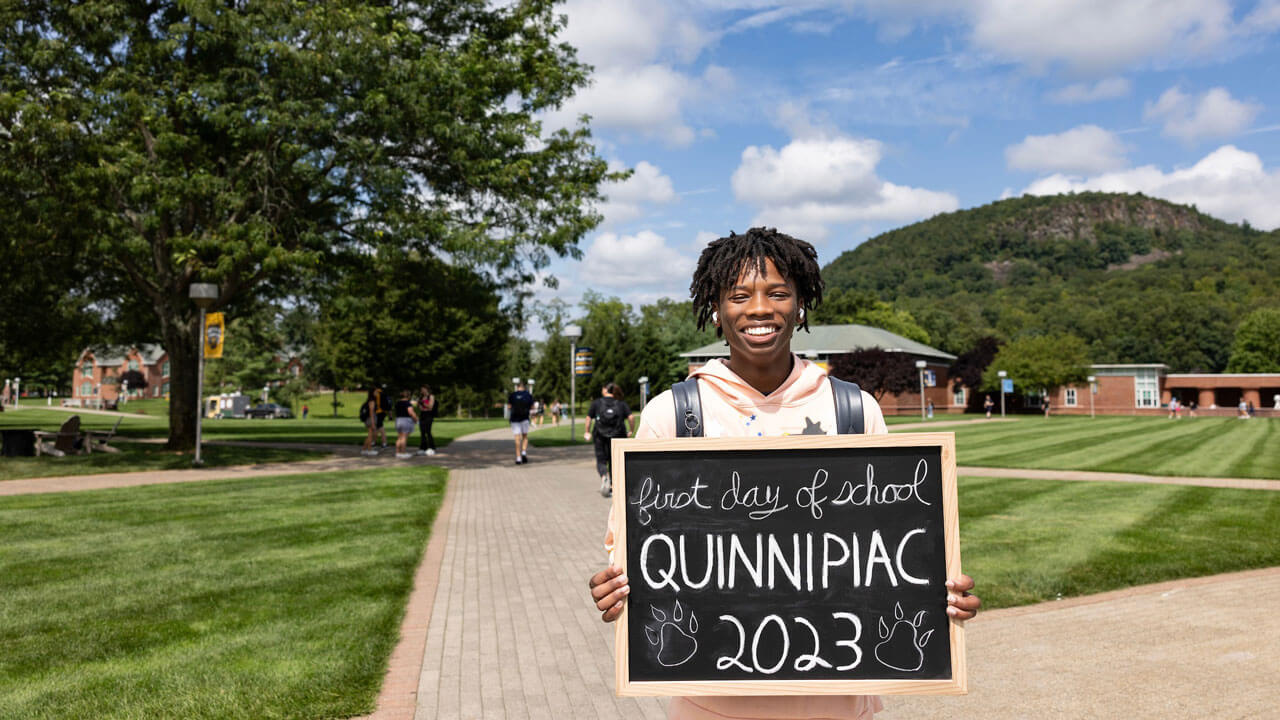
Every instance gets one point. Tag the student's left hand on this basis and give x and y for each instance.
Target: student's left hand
(961, 605)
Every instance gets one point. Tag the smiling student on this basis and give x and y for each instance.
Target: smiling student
(755, 289)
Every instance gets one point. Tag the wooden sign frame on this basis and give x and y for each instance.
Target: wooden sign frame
(945, 441)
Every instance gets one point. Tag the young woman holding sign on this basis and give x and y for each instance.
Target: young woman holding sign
(755, 289)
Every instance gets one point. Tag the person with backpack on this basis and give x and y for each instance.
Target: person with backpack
(755, 289)
(607, 418)
(368, 418)
(519, 403)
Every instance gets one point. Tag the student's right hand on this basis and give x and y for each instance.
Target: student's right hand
(609, 588)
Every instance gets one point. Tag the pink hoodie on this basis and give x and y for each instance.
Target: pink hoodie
(803, 404)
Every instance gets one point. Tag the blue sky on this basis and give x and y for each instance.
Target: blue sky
(835, 121)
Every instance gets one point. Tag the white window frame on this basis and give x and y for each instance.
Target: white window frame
(1070, 399)
(1146, 388)
(959, 397)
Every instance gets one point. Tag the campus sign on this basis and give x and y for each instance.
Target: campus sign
(791, 565)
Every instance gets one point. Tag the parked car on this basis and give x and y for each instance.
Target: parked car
(268, 410)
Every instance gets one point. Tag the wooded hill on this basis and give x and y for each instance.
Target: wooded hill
(1137, 278)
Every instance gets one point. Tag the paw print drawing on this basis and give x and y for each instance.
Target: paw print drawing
(675, 644)
(902, 646)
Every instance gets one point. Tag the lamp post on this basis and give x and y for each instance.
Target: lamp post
(920, 370)
(573, 332)
(1002, 375)
(644, 390)
(17, 395)
(204, 295)
(1093, 390)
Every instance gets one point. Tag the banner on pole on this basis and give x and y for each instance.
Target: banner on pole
(214, 335)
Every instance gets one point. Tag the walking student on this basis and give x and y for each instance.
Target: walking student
(755, 290)
(607, 418)
(368, 416)
(406, 419)
(426, 416)
(382, 406)
(520, 403)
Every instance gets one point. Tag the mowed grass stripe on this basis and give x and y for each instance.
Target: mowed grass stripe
(1067, 443)
(1201, 447)
(1021, 552)
(1194, 532)
(254, 598)
(1027, 541)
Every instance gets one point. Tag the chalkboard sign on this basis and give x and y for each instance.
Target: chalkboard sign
(790, 565)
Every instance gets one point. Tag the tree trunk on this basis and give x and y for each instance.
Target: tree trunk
(180, 338)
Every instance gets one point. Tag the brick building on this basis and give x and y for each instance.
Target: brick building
(1146, 389)
(96, 379)
(824, 341)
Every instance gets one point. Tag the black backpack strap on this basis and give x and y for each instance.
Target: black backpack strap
(688, 408)
(848, 407)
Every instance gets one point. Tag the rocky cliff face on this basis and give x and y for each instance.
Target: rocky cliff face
(1079, 218)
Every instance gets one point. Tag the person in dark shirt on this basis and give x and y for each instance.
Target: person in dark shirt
(607, 419)
(519, 403)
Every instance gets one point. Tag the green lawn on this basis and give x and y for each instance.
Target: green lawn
(134, 457)
(551, 436)
(1026, 541)
(1202, 447)
(257, 598)
(314, 429)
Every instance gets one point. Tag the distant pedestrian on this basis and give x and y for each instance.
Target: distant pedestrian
(305, 410)
(1191, 408)
(536, 413)
(987, 405)
(406, 419)
(1243, 409)
(607, 419)
(1173, 408)
(1046, 406)
(555, 413)
(1251, 409)
(384, 407)
(426, 416)
(930, 408)
(369, 416)
(519, 403)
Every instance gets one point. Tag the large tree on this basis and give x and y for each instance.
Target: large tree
(1256, 348)
(1039, 362)
(177, 141)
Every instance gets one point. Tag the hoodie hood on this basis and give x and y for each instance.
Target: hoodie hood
(806, 378)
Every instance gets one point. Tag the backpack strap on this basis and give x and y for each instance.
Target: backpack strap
(848, 406)
(688, 408)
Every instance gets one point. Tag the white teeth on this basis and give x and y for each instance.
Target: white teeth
(760, 331)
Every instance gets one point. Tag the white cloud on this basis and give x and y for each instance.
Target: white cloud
(635, 261)
(646, 101)
(1083, 149)
(704, 238)
(1228, 183)
(1213, 114)
(627, 199)
(629, 33)
(1098, 35)
(1105, 89)
(1264, 18)
(819, 181)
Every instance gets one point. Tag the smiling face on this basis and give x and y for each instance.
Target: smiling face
(758, 314)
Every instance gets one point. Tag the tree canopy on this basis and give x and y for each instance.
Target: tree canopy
(1039, 362)
(1256, 348)
(156, 144)
(876, 371)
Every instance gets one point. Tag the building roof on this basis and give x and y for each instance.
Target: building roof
(827, 340)
(114, 355)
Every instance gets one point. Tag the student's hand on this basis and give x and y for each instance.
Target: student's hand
(586, 435)
(609, 588)
(960, 604)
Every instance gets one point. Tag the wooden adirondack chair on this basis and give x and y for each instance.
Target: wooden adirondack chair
(64, 441)
(97, 440)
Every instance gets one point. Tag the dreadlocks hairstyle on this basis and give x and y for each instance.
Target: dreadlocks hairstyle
(724, 260)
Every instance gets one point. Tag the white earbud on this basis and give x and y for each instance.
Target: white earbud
(715, 317)
(801, 314)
